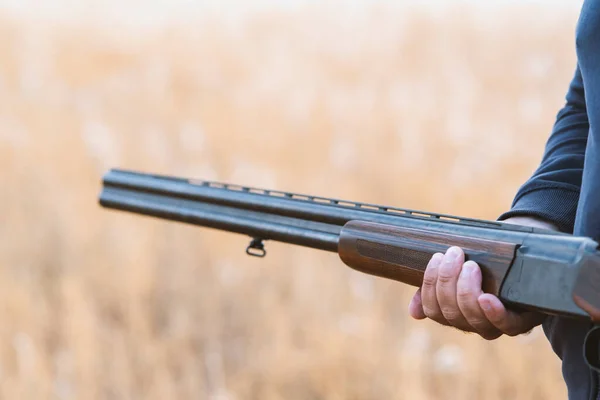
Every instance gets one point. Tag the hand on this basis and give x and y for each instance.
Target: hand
(451, 295)
(588, 308)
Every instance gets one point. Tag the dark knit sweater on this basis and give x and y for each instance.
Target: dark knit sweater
(565, 188)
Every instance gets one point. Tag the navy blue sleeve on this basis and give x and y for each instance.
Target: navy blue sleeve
(552, 192)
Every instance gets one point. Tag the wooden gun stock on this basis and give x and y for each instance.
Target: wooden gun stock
(402, 254)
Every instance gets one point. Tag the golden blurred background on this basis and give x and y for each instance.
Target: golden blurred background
(434, 105)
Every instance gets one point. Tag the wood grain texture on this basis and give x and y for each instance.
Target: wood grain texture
(402, 254)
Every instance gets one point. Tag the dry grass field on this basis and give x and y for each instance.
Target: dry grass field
(435, 107)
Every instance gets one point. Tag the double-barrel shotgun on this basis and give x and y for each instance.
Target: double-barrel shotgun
(527, 268)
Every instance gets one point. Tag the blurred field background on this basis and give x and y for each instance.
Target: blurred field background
(438, 106)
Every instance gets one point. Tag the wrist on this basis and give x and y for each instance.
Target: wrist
(534, 222)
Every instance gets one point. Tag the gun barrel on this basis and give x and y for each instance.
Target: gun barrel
(252, 223)
(310, 208)
(245, 210)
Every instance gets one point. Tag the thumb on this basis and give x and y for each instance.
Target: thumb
(511, 323)
(415, 308)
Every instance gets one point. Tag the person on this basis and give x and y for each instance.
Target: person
(562, 194)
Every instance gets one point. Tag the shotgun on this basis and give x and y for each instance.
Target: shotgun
(527, 268)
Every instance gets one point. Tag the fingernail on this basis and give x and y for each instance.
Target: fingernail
(453, 253)
(436, 259)
(487, 306)
(466, 271)
(470, 267)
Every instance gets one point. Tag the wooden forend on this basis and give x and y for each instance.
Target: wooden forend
(402, 254)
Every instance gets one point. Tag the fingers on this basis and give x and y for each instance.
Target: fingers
(510, 323)
(588, 308)
(431, 307)
(446, 288)
(452, 294)
(415, 308)
(468, 290)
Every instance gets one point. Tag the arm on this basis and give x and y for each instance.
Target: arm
(451, 292)
(552, 192)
